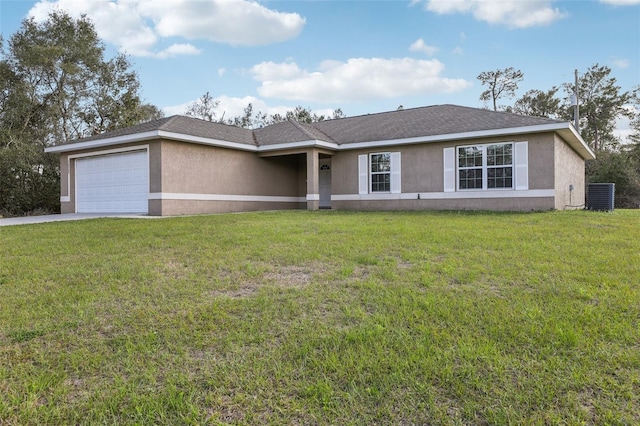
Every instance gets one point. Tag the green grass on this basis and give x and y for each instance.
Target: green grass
(323, 318)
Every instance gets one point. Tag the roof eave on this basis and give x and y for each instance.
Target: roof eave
(565, 129)
(99, 143)
(311, 143)
(155, 134)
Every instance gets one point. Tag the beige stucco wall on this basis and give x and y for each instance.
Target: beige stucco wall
(569, 171)
(204, 170)
(200, 169)
(422, 171)
(497, 204)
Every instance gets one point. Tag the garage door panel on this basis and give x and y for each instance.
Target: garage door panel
(117, 183)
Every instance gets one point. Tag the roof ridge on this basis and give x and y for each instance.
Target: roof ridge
(167, 121)
(303, 128)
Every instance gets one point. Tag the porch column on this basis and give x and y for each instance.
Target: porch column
(313, 189)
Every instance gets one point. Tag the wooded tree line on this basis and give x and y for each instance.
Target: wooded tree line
(601, 103)
(57, 85)
(206, 108)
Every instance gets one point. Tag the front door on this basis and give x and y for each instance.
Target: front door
(324, 183)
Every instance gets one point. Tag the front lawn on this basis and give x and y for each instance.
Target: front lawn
(323, 318)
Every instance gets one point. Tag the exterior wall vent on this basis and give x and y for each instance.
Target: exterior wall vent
(600, 196)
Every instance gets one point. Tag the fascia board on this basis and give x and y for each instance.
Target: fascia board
(207, 141)
(103, 142)
(566, 130)
(554, 127)
(574, 139)
(155, 134)
(303, 144)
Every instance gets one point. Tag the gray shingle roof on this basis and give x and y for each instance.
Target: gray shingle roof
(424, 121)
(185, 126)
(409, 123)
(288, 132)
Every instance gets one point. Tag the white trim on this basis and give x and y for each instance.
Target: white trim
(485, 166)
(463, 135)
(205, 141)
(521, 165)
(363, 174)
(139, 137)
(110, 151)
(396, 173)
(565, 129)
(449, 165)
(312, 143)
(313, 197)
(65, 198)
(224, 197)
(161, 134)
(532, 193)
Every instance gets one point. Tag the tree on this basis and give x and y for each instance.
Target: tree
(601, 103)
(250, 120)
(56, 86)
(304, 115)
(537, 103)
(204, 108)
(501, 83)
(617, 167)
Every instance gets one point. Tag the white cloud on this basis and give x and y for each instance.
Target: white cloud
(222, 72)
(458, 51)
(357, 79)
(236, 22)
(137, 26)
(621, 63)
(177, 50)
(621, 2)
(420, 46)
(512, 13)
(623, 125)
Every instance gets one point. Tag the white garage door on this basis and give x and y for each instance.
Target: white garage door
(117, 183)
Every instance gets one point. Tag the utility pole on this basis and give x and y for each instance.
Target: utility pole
(576, 106)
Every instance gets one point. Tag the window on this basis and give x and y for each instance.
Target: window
(380, 172)
(485, 166)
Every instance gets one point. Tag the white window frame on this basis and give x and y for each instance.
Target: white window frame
(365, 183)
(485, 167)
(372, 173)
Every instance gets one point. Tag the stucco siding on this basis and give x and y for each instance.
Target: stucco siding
(191, 168)
(569, 173)
(191, 207)
(198, 179)
(422, 172)
(501, 204)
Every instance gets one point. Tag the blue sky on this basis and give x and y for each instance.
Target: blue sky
(361, 56)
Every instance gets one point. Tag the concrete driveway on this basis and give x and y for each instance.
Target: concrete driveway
(61, 217)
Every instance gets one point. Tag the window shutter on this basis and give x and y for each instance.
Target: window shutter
(396, 177)
(449, 155)
(363, 174)
(521, 162)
